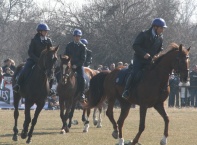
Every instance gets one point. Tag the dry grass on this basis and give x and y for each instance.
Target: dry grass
(182, 131)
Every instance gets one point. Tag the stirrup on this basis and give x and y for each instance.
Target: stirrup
(125, 95)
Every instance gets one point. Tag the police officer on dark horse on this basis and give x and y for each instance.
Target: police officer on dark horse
(146, 45)
(76, 51)
(37, 45)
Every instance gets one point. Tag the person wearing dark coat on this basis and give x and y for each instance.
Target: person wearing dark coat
(88, 60)
(146, 45)
(174, 90)
(76, 50)
(193, 86)
(37, 45)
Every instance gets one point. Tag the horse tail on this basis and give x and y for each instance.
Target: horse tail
(96, 92)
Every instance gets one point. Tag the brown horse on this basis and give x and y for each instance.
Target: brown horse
(151, 91)
(35, 90)
(68, 93)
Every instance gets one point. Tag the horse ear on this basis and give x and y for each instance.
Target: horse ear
(180, 47)
(188, 49)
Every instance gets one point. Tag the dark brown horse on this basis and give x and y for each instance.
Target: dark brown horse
(151, 91)
(35, 90)
(68, 93)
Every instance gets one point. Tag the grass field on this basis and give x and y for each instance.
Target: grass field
(182, 128)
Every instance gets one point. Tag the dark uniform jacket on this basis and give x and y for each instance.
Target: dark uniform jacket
(37, 46)
(145, 43)
(193, 79)
(88, 60)
(77, 53)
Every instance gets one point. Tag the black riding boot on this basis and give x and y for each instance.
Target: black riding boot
(128, 85)
(17, 86)
(82, 90)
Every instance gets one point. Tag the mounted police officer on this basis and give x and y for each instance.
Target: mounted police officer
(88, 60)
(146, 45)
(76, 50)
(37, 45)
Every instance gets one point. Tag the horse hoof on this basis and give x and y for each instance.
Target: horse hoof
(62, 131)
(115, 134)
(15, 138)
(67, 130)
(95, 122)
(85, 131)
(24, 135)
(99, 126)
(28, 141)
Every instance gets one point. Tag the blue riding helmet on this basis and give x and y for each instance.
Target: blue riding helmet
(84, 41)
(159, 22)
(42, 27)
(77, 32)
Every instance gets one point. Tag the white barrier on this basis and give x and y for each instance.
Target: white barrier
(6, 95)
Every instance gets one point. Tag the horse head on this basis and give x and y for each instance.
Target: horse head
(181, 63)
(65, 68)
(47, 61)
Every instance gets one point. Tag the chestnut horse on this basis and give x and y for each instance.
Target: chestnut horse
(35, 90)
(69, 96)
(151, 91)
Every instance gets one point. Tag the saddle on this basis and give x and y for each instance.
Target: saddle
(124, 74)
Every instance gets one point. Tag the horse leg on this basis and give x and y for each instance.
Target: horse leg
(62, 107)
(16, 114)
(160, 109)
(65, 118)
(71, 114)
(99, 125)
(34, 120)
(86, 122)
(83, 118)
(27, 119)
(110, 115)
(143, 110)
(95, 120)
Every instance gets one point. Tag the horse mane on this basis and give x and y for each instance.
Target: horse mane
(173, 46)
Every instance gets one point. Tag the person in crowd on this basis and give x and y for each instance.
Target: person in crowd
(53, 103)
(8, 63)
(88, 60)
(174, 90)
(8, 72)
(105, 68)
(37, 45)
(120, 64)
(146, 45)
(112, 66)
(193, 86)
(100, 68)
(126, 64)
(76, 50)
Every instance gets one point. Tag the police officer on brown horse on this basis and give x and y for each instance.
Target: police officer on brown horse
(146, 45)
(37, 45)
(76, 51)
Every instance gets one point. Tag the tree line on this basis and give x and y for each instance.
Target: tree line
(110, 26)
